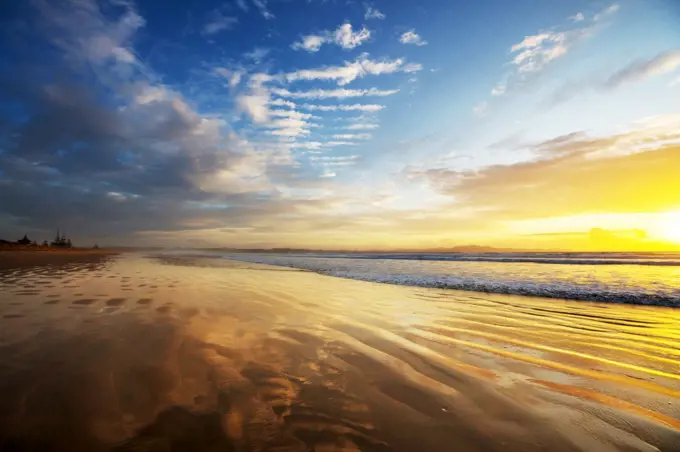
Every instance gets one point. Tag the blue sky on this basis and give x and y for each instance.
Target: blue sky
(308, 123)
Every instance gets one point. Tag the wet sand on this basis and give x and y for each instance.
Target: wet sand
(140, 353)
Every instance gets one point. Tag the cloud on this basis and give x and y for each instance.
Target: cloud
(373, 13)
(218, 22)
(641, 69)
(257, 54)
(255, 104)
(310, 43)
(330, 144)
(347, 39)
(119, 149)
(411, 37)
(534, 53)
(291, 114)
(261, 6)
(343, 37)
(353, 136)
(334, 93)
(242, 5)
(289, 127)
(608, 11)
(634, 72)
(233, 77)
(481, 109)
(362, 126)
(353, 107)
(630, 172)
(282, 103)
(578, 17)
(353, 70)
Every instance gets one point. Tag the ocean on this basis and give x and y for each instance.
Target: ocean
(633, 278)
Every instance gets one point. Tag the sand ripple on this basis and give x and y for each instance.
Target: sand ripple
(133, 353)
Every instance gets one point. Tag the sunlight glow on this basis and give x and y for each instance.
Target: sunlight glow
(669, 227)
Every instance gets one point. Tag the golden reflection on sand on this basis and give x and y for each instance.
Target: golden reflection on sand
(134, 352)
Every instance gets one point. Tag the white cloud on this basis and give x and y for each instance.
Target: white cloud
(373, 13)
(255, 104)
(257, 54)
(411, 37)
(343, 37)
(233, 76)
(291, 114)
(499, 89)
(243, 5)
(347, 39)
(481, 109)
(330, 144)
(218, 22)
(353, 136)
(282, 103)
(333, 93)
(354, 107)
(124, 55)
(116, 196)
(578, 17)
(327, 174)
(535, 52)
(149, 94)
(310, 43)
(362, 126)
(353, 70)
(261, 6)
(608, 11)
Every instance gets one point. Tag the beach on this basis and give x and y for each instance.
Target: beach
(143, 352)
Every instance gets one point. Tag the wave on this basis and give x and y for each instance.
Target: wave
(650, 285)
(582, 259)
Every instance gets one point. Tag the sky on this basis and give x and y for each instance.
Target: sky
(389, 124)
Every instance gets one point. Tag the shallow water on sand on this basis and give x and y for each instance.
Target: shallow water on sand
(135, 352)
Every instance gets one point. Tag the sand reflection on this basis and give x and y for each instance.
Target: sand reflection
(142, 353)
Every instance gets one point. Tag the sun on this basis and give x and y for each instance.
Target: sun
(669, 227)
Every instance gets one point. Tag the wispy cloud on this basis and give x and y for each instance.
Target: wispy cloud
(261, 6)
(411, 37)
(373, 13)
(233, 77)
(578, 17)
(362, 126)
(534, 53)
(353, 136)
(637, 71)
(218, 22)
(352, 107)
(243, 5)
(661, 64)
(333, 93)
(344, 37)
(257, 54)
(353, 70)
(481, 109)
(255, 104)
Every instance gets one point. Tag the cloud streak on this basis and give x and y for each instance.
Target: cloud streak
(343, 37)
(335, 93)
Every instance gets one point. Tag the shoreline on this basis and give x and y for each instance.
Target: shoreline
(21, 258)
